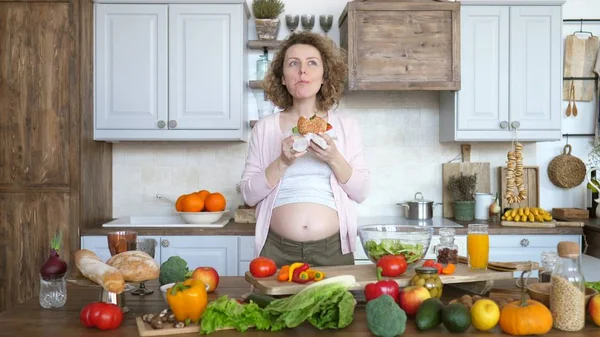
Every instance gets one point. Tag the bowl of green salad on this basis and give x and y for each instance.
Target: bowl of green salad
(412, 242)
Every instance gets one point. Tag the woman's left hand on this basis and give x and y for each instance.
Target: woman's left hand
(328, 155)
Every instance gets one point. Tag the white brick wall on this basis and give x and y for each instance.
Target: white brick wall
(400, 132)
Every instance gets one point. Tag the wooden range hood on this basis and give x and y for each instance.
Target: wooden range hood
(401, 44)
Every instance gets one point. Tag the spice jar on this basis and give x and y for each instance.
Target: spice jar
(447, 250)
(567, 290)
(428, 277)
(549, 260)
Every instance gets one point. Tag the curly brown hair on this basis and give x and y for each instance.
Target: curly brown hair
(334, 72)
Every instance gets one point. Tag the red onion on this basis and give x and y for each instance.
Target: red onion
(54, 267)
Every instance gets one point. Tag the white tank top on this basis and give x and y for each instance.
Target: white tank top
(307, 180)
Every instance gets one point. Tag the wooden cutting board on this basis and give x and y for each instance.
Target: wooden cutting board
(507, 266)
(450, 169)
(366, 274)
(570, 213)
(531, 180)
(580, 57)
(145, 329)
(549, 224)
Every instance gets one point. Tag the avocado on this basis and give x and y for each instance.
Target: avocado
(456, 317)
(429, 314)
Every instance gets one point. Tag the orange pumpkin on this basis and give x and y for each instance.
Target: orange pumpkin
(525, 317)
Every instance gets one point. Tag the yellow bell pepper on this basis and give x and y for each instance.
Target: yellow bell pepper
(187, 300)
(315, 275)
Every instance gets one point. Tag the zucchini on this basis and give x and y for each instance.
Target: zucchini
(260, 299)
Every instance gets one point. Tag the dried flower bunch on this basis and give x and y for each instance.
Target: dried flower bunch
(267, 9)
(462, 187)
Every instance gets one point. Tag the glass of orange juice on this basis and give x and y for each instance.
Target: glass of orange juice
(478, 246)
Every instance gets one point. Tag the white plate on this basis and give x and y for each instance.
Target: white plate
(163, 222)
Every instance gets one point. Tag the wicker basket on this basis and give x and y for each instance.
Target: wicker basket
(565, 170)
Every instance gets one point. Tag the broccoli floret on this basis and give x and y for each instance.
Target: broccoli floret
(175, 269)
(384, 317)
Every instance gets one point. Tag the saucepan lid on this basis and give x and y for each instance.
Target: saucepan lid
(419, 199)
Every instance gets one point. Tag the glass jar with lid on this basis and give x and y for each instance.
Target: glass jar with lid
(262, 66)
(549, 260)
(567, 289)
(428, 277)
(447, 251)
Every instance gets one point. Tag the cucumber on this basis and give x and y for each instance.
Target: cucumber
(260, 299)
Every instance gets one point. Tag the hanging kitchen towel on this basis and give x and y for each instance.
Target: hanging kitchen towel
(580, 59)
(597, 91)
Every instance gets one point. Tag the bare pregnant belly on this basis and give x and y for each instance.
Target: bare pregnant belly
(304, 221)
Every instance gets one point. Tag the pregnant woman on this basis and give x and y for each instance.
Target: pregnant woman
(306, 201)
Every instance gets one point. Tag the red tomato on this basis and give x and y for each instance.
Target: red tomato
(392, 265)
(104, 316)
(433, 264)
(262, 267)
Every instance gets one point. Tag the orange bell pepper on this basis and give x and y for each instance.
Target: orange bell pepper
(283, 273)
(187, 300)
(449, 269)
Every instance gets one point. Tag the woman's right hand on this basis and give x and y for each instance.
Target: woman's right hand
(288, 155)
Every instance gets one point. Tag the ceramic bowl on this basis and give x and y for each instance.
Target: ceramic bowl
(163, 290)
(201, 217)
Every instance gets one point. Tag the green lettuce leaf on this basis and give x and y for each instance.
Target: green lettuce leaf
(229, 313)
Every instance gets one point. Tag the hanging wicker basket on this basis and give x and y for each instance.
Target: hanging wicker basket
(565, 170)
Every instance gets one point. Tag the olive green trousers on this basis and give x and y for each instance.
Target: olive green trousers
(324, 252)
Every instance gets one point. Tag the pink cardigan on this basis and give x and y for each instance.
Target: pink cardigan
(265, 147)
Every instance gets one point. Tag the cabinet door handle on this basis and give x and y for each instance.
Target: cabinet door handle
(165, 243)
(524, 243)
(172, 124)
(515, 125)
(503, 125)
(161, 124)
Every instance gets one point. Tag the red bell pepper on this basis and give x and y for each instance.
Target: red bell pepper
(104, 316)
(392, 265)
(300, 274)
(382, 287)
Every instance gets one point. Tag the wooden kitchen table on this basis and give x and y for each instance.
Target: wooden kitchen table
(30, 320)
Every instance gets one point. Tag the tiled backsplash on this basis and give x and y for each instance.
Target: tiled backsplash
(400, 134)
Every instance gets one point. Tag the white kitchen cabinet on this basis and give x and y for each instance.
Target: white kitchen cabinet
(171, 71)
(219, 252)
(99, 245)
(511, 75)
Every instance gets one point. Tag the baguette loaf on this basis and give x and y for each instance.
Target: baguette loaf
(135, 265)
(92, 267)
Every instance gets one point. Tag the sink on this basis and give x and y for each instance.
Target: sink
(163, 222)
(396, 220)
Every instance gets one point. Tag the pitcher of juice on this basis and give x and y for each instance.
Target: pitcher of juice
(478, 247)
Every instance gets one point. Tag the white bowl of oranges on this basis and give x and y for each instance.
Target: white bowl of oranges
(202, 207)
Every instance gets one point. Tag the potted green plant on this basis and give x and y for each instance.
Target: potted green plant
(266, 13)
(462, 187)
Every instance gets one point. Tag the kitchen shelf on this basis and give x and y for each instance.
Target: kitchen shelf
(255, 84)
(262, 44)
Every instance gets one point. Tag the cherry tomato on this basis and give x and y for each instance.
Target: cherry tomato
(433, 264)
(262, 267)
(104, 316)
(392, 265)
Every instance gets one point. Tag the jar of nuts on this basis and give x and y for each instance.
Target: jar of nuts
(428, 277)
(447, 250)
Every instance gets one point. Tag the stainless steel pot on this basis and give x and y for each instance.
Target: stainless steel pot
(419, 208)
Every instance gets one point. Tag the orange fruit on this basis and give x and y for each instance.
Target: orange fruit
(215, 202)
(192, 203)
(203, 193)
(179, 203)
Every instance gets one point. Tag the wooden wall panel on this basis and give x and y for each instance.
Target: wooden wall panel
(28, 222)
(35, 61)
(95, 160)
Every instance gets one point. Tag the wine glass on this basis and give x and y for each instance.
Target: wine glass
(326, 21)
(147, 246)
(121, 241)
(308, 21)
(292, 21)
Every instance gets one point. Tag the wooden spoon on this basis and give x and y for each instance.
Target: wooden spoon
(574, 104)
(570, 94)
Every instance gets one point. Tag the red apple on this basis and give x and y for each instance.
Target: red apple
(594, 309)
(208, 275)
(412, 297)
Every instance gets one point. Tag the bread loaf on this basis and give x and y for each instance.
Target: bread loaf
(135, 266)
(92, 267)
